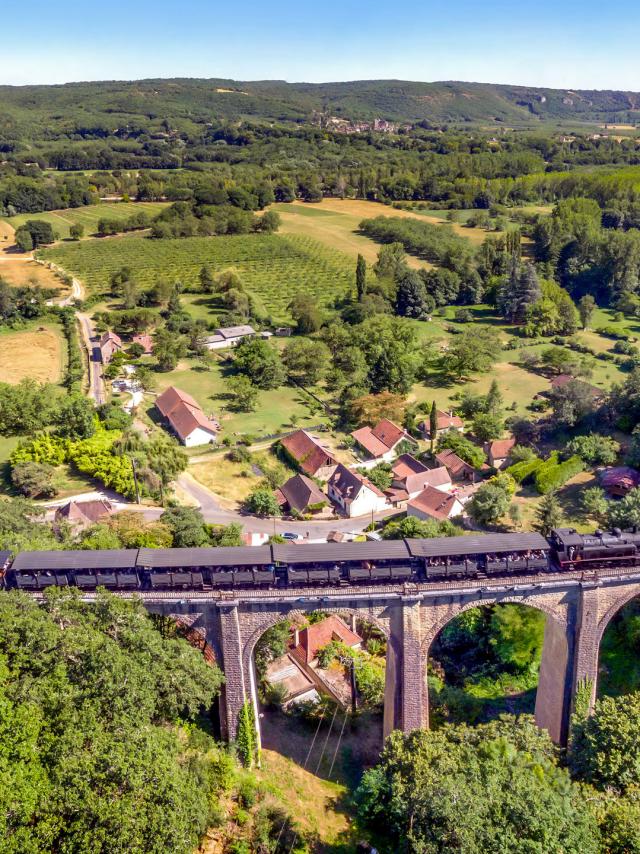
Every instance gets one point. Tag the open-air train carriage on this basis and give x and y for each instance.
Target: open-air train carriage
(111, 568)
(332, 563)
(200, 568)
(480, 554)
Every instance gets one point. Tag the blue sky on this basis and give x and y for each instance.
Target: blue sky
(563, 43)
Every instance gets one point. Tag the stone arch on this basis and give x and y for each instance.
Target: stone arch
(270, 619)
(553, 694)
(544, 607)
(613, 609)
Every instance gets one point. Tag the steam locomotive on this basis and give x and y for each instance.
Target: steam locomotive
(316, 565)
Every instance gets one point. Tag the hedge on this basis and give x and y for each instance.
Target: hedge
(523, 471)
(553, 474)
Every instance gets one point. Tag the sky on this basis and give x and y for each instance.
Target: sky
(555, 43)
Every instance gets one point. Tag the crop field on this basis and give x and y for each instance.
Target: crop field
(88, 215)
(36, 353)
(273, 267)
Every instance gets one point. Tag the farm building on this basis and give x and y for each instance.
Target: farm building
(81, 514)
(434, 504)
(498, 452)
(109, 344)
(354, 494)
(445, 421)
(228, 336)
(186, 418)
(307, 454)
(302, 495)
(379, 443)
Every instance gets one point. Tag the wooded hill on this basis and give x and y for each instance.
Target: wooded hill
(110, 105)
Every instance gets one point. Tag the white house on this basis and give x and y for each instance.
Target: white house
(186, 418)
(228, 336)
(354, 494)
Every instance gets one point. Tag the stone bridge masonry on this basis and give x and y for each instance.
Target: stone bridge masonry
(578, 608)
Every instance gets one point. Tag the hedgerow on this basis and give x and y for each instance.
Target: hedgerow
(524, 471)
(553, 474)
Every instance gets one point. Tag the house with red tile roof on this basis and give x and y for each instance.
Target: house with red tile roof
(311, 639)
(354, 494)
(457, 467)
(109, 344)
(412, 476)
(445, 421)
(307, 454)
(379, 443)
(82, 514)
(186, 418)
(498, 452)
(431, 503)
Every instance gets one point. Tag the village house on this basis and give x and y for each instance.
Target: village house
(457, 467)
(82, 514)
(298, 670)
(228, 336)
(301, 495)
(498, 452)
(109, 344)
(432, 503)
(410, 477)
(445, 421)
(354, 494)
(308, 455)
(186, 418)
(145, 341)
(379, 444)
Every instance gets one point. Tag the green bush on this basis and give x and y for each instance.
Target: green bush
(524, 471)
(553, 474)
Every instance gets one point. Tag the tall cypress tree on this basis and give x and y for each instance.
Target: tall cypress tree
(361, 277)
(433, 424)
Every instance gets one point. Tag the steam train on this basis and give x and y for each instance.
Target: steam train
(316, 565)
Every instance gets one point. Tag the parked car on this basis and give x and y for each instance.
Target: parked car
(289, 535)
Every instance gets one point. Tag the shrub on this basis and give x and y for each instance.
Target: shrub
(553, 474)
(525, 470)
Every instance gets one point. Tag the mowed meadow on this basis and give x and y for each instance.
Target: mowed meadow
(273, 267)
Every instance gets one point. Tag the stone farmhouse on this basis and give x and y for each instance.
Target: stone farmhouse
(379, 444)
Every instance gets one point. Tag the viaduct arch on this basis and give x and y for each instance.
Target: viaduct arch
(578, 608)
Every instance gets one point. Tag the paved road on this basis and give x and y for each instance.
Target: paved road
(217, 515)
(90, 340)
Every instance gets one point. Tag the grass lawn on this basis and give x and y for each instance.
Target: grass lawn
(38, 352)
(233, 482)
(274, 412)
(517, 384)
(87, 215)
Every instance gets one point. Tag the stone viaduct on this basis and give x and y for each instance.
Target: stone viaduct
(578, 607)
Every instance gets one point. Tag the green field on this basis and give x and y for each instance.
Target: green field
(87, 216)
(273, 414)
(272, 267)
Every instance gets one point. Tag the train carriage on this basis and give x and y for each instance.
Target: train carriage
(353, 563)
(480, 554)
(111, 568)
(201, 568)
